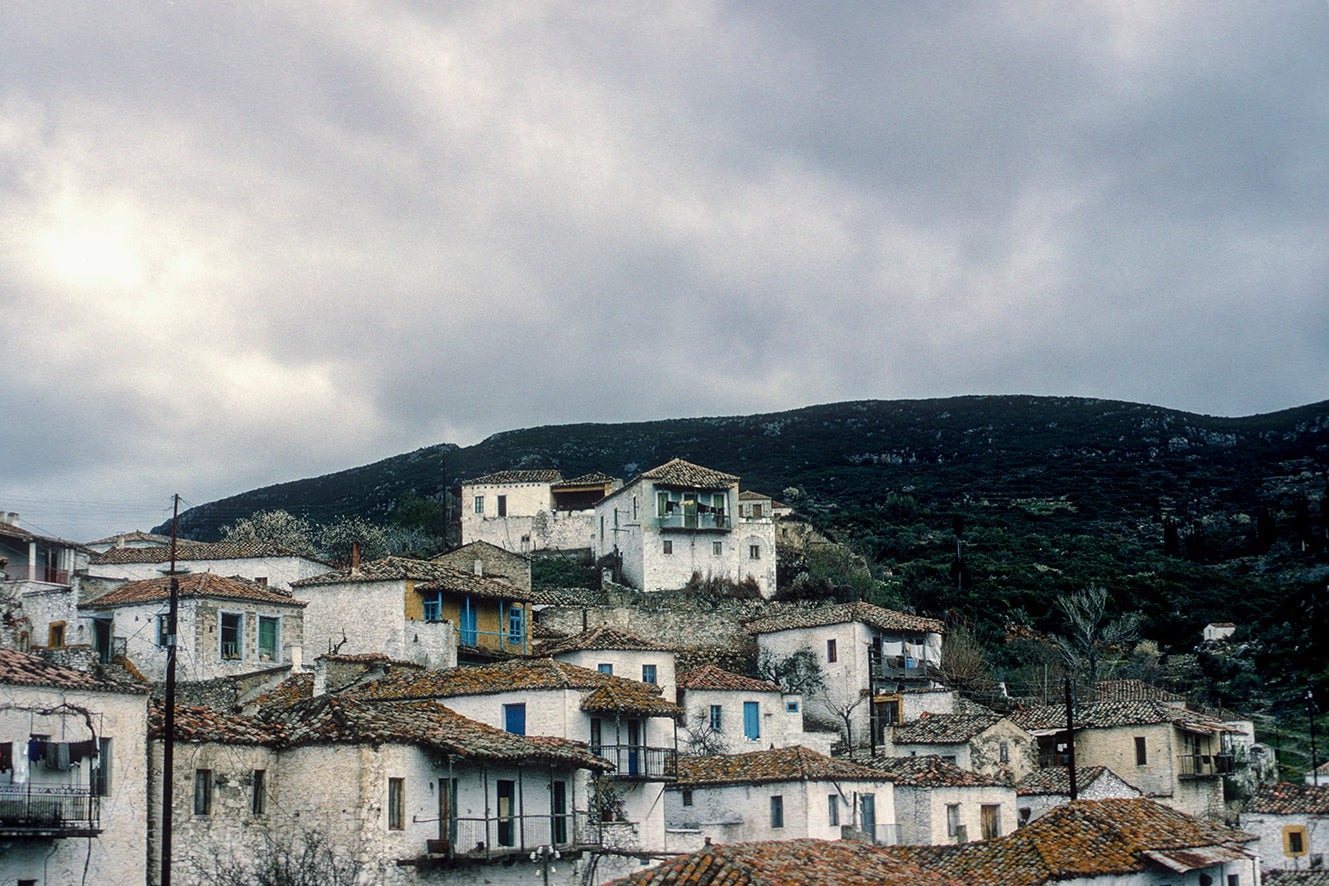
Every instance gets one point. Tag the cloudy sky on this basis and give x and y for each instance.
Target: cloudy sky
(248, 242)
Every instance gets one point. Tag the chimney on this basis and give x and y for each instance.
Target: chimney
(479, 566)
(320, 676)
(11, 518)
(295, 655)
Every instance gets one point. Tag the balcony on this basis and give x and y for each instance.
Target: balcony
(712, 521)
(508, 838)
(1194, 766)
(33, 811)
(884, 670)
(640, 763)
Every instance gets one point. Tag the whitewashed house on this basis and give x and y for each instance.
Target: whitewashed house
(677, 522)
(870, 657)
(72, 775)
(41, 581)
(938, 803)
(420, 794)
(729, 713)
(779, 794)
(987, 743)
(1044, 789)
(1292, 824)
(264, 564)
(226, 626)
(533, 510)
(133, 539)
(625, 721)
(610, 651)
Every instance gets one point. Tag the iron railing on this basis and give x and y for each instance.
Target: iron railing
(679, 520)
(37, 808)
(1205, 765)
(640, 762)
(499, 836)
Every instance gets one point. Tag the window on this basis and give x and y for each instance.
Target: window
(479, 504)
(55, 634)
(990, 817)
(833, 811)
(502, 505)
(202, 791)
(1141, 754)
(230, 634)
(754, 552)
(1233, 880)
(1005, 752)
(634, 507)
(101, 772)
(268, 634)
(507, 799)
(952, 819)
(717, 717)
(867, 814)
(777, 811)
(791, 707)
(467, 634)
(1294, 840)
(751, 721)
(163, 631)
(668, 546)
(514, 718)
(515, 628)
(648, 674)
(717, 548)
(830, 651)
(756, 510)
(596, 732)
(605, 667)
(687, 798)
(396, 804)
(433, 608)
(258, 804)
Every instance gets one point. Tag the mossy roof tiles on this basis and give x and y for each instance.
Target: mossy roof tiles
(1056, 780)
(945, 728)
(875, 616)
(193, 585)
(778, 764)
(1111, 714)
(503, 477)
(1290, 798)
(193, 550)
(713, 677)
(677, 472)
(928, 771)
(26, 669)
(602, 638)
(427, 575)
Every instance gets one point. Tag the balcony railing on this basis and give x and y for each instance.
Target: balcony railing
(640, 762)
(36, 810)
(1205, 765)
(498, 837)
(716, 520)
(893, 668)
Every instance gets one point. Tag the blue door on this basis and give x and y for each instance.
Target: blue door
(468, 624)
(751, 721)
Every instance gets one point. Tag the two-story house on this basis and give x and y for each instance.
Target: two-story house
(938, 803)
(43, 576)
(787, 793)
(1292, 822)
(980, 742)
(730, 713)
(532, 510)
(72, 774)
(414, 610)
(611, 651)
(226, 626)
(869, 657)
(676, 522)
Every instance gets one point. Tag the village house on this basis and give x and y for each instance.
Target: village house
(41, 580)
(490, 561)
(778, 794)
(72, 775)
(134, 539)
(1170, 754)
(414, 610)
(676, 522)
(980, 742)
(624, 721)
(264, 564)
(755, 506)
(870, 659)
(728, 713)
(1044, 789)
(226, 626)
(610, 651)
(535, 510)
(423, 795)
(1292, 824)
(938, 803)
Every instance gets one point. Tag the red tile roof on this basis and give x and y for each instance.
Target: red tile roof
(501, 477)
(677, 472)
(196, 584)
(594, 478)
(1111, 714)
(1056, 780)
(1288, 798)
(25, 669)
(927, 771)
(1134, 690)
(601, 638)
(875, 616)
(779, 764)
(945, 728)
(712, 677)
(427, 575)
(195, 725)
(194, 550)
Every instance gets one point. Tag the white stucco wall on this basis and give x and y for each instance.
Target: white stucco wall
(741, 813)
(922, 817)
(371, 617)
(278, 571)
(779, 727)
(628, 663)
(1269, 828)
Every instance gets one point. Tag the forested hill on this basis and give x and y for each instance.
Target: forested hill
(1122, 463)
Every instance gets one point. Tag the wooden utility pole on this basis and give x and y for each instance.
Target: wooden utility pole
(1070, 735)
(168, 756)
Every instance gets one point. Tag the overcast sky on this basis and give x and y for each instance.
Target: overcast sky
(244, 243)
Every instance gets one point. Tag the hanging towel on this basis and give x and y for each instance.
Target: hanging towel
(57, 755)
(36, 749)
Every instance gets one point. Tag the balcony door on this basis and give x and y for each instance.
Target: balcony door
(446, 823)
(469, 622)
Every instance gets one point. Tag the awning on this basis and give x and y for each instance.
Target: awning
(1183, 860)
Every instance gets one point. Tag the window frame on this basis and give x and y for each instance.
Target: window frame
(258, 799)
(514, 715)
(832, 654)
(717, 717)
(777, 812)
(1141, 751)
(833, 810)
(752, 720)
(650, 674)
(396, 806)
(203, 792)
(479, 505)
(222, 616)
(516, 623)
(275, 622)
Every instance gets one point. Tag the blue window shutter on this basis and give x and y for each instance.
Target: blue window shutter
(751, 720)
(514, 718)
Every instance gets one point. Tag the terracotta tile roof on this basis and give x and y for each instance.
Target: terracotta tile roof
(712, 677)
(525, 675)
(677, 472)
(539, 631)
(749, 495)
(25, 669)
(198, 724)
(498, 477)
(196, 584)
(945, 728)
(1134, 690)
(927, 771)
(296, 687)
(571, 598)
(188, 551)
(602, 638)
(427, 575)
(1110, 714)
(594, 478)
(1289, 798)
(1295, 878)
(875, 616)
(779, 764)
(1056, 780)
(805, 862)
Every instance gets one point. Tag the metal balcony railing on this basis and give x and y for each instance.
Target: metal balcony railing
(681, 520)
(38, 809)
(640, 762)
(498, 836)
(1205, 765)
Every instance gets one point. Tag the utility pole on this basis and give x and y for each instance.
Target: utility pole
(168, 755)
(1315, 774)
(1070, 735)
